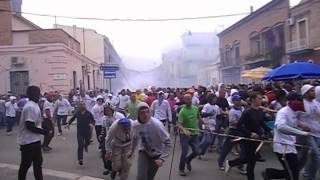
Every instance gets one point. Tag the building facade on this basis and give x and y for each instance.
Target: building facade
(209, 74)
(256, 40)
(48, 58)
(181, 66)
(98, 48)
(304, 31)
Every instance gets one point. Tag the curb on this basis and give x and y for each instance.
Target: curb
(54, 173)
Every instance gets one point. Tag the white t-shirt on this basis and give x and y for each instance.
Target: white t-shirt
(31, 112)
(90, 102)
(311, 116)
(63, 107)
(107, 121)
(211, 120)
(11, 109)
(113, 101)
(288, 117)
(123, 101)
(48, 105)
(97, 112)
(195, 100)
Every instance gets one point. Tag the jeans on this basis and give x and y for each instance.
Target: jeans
(2, 119)
(98, 129)
(221, 123)
(313, 165)
(227, 146)
(10, 123)
(147, 168)
(173, 123)
(60, 118)
(83, 141)
(18, 116)
(47, 125)
(248, 157)
(31, 153)
(290, 165)
(205, 142)
(185, 141)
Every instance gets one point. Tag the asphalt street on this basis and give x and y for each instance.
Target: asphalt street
(63, 158)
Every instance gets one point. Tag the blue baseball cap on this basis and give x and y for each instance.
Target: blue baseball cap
(124, 122)
(236, 97)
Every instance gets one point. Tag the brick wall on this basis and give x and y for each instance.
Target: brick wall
(278, 13)
(5, 24)
(311, 11)
(53, 36)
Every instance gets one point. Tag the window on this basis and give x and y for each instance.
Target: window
(279, 33)
(237, 54)
(302, 29)
(267, 39)
(255, 45)
(302, 26)
(228, 56)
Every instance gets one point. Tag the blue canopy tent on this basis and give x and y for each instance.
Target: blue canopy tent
(294, 71)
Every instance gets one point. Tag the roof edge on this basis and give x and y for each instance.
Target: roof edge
(262, 9)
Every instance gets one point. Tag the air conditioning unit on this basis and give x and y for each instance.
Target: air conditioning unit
(290, 21)
(17, 61)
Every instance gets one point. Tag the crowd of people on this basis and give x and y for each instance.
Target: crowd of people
(239, 117)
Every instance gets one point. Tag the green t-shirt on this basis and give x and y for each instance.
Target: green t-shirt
(132, 110)
(188, 118)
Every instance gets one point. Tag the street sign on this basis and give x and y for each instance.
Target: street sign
(109, 75)
(109, 67)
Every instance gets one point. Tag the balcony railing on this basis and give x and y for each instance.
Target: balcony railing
(297, 45)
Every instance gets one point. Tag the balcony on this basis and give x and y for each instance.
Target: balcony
(297, 45)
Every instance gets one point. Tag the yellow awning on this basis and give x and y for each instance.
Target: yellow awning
(256, 73)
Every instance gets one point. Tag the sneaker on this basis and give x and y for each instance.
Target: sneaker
(46, 149)
(227, 167)
(59, 134)
(260, 159)
(182, 173)
(242, 171)
(201, 157)
(221, 168)
(235, 153)
(80, 162)
(189, 167)
(113, 174)
(9, 133)
(106, 172)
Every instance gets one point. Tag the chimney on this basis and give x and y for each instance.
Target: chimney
(251, 9)
(5, 23)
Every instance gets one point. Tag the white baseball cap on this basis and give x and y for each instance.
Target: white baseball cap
(305, 88)
(12, 98)
(99, 97)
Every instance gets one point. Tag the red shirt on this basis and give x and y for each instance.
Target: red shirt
(271, 96)
(150, 99)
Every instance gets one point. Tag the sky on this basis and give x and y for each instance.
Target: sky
(140, 44)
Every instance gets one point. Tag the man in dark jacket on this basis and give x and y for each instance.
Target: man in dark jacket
(251, 125)
(84, 123)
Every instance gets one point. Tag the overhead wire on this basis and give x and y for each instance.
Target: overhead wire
(138, 19)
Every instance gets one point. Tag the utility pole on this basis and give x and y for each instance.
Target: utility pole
(109, 78)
